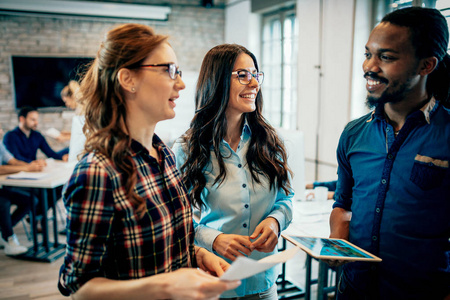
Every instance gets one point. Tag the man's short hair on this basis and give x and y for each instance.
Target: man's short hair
(24, 111)
(428, 27)
(429, 37)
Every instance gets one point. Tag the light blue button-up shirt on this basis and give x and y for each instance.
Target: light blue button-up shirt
(237, 206)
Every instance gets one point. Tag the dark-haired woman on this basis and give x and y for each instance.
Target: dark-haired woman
(129, 230)
(235, 167)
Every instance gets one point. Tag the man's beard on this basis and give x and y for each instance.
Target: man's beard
(388, 97)
(395, 97)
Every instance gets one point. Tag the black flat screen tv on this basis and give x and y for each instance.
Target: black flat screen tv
(38, 80)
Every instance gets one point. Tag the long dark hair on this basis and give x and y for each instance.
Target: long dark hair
(266, 154)
(125, 46)
(429, 36)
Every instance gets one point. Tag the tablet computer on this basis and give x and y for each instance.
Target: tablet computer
(334, 249)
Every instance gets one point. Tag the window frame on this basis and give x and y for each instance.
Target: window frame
(281, 116)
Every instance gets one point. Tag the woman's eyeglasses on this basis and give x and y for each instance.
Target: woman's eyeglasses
(245, 77)
(171, 68)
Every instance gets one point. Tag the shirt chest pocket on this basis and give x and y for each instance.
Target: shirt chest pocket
(428, 173)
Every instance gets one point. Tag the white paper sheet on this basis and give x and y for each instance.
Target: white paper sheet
(244, 267)
(52, 132)
(28, 175)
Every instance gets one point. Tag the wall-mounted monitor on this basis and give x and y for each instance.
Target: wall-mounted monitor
(38, 80)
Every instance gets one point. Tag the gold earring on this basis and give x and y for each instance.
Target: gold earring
(133, 89)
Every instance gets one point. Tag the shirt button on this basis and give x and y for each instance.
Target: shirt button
(244, 185)
(378, 210)
(383, 181)
(239, 166)
(374, 238)
(390, 156)
(246, 205)
(245, 225)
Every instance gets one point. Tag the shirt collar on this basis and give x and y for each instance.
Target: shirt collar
(137, 148)
(246, 129)
(428, 108)
(427, 111)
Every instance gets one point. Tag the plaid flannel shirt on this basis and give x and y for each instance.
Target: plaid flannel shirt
(105, 236)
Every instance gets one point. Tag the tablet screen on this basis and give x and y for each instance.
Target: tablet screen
(325, 248)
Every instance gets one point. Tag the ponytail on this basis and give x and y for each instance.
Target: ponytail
(438, 83)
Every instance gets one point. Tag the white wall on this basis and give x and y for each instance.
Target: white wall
(362, 31)
(325, 93)
(242, 27)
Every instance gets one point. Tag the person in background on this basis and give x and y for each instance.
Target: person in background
(24, 141)
(331, 185)
(393, 189)
(235, 166)
(129, 226)
(71, 96)
(23, 201)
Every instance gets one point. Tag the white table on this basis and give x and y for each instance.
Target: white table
(312, 219)
(55, 175)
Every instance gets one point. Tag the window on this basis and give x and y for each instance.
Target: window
(444, 7)
(279, 64)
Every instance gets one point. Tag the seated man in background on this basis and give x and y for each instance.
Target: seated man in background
(10, 165)
(24, 141)
(331, 185)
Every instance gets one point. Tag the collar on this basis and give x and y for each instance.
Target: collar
(246, 128)
(427, 111)
(138, 148)
(428, 108)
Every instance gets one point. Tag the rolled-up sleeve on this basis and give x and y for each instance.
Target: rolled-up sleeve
(90, 209)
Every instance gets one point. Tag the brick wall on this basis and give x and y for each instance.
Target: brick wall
(193, 30)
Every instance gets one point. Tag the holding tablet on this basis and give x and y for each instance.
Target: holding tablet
(331, 249)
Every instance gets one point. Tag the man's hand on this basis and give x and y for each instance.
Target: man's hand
(339, 228)
(232, 245)
(267, 231)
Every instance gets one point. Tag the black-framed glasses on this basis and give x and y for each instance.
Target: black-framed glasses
(171, 68)
(245, 77)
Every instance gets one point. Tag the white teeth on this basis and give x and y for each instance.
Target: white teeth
(251, 96)
(372, 82)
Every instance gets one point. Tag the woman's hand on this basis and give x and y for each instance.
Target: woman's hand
(268, 231)
(232, 245)
(210, 262)
(196, 284)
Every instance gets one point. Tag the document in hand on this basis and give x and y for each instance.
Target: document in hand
(244, 267)
(334, 249)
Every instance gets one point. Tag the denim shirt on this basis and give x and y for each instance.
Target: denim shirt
(398, 189)
(237, 206)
